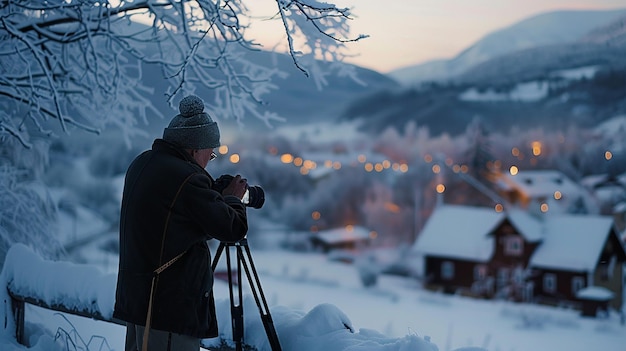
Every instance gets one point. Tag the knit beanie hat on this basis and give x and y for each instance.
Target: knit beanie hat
(192, 128)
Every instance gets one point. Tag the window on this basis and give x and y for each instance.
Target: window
(514, 246)
(607, 268)
(480, 272)
(549, 282)
(577, 284)
(447, 270)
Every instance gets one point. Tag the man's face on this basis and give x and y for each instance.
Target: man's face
(203, 156)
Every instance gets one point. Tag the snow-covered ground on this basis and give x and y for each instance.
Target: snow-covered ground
(311, 297)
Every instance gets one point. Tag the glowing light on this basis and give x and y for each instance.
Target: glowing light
(369, 167)
(557, 195)
(436, 169)
(449, 161)
(428, 158)
(309, 164)
(378, 167)
(544, 208)
(497, 164)
(373, 235)
(536, 145)
(608, 155)
(316, 215)
(337, 165)
(361, 158)
(286, 158)
(513, 170)
(441, 188)
(456, 168)
(234, 158)
(304, 170)
(391, 207)
(298, 161)
(328, 164)
(223, 149)
(404, 168)
(499, 208)
(386, 164)
(464, 169)
(515, 152)
(349, 228)
(396, 167)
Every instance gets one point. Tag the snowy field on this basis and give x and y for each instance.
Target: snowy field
(396, 308)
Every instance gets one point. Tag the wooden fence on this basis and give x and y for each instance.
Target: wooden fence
(18, 304)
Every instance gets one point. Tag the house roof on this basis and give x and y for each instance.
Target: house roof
(528, 226)
(572, 242)
(567, 242)
(459, 232)
(342, 235)
(543, 183)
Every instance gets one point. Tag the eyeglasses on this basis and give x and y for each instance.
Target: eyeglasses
(213, 156)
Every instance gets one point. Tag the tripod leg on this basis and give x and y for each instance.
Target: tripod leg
(259, 296)
(236, 311)
(218, 253)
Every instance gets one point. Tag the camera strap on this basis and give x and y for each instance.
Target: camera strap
(156, 272)
(155, 277)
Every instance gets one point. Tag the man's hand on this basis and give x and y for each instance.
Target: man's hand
(237, 187)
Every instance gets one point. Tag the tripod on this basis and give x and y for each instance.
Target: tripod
(236, 310)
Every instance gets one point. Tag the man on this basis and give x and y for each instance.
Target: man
(169, 210)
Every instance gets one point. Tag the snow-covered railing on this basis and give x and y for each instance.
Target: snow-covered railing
(80, 290)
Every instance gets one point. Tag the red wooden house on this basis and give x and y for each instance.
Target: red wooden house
(514, 255)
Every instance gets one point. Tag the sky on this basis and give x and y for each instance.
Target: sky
(408, 32)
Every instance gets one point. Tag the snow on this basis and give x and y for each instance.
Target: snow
(572, 243)
(341, 235)
(524, 92)
(529, 91)
(587, 72)
(311, 301)
(595, 293)
(460, 232)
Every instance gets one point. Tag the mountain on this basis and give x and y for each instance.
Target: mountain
(544, 29)
(581, 82)
(296, 97)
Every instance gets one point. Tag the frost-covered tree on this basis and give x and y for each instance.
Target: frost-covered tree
(78, 65)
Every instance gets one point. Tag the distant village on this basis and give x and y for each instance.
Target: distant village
(548, 240)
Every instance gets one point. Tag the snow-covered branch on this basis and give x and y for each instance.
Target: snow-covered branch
(72, 61)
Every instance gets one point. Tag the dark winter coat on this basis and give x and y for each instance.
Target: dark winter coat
(168, 207)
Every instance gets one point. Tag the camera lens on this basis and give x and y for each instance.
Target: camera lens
(256, 196)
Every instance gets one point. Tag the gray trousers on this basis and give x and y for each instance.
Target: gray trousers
(159, 340)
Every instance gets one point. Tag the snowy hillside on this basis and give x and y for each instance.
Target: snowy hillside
(545, 29)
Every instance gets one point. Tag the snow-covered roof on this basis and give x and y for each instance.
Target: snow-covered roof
(528, 226)
(345, 234)
(540, 183)
(459, 232)
(568, 242)
(572, 242)
(596, 293)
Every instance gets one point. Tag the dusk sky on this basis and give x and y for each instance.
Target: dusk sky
(407, 32)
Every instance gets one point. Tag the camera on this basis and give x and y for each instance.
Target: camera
(254, 196)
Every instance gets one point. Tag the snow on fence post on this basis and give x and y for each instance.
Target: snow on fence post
(66, 287)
